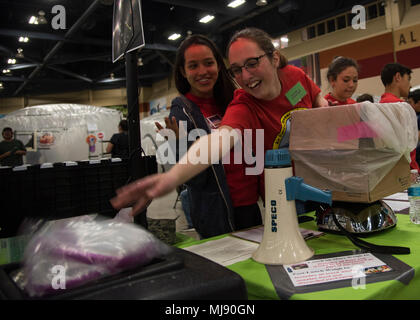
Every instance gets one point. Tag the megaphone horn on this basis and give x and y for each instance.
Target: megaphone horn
(282, 241)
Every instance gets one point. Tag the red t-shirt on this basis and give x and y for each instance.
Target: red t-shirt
(247, 112)
(208, 107)
(390, 98)
(336, 102)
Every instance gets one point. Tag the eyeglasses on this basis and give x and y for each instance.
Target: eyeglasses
(250, 64)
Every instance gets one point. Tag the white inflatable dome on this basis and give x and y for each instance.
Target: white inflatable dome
(63, 132)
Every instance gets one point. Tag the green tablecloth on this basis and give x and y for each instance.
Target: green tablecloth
(405, 234)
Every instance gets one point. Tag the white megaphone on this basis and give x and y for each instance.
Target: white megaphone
(282, 241)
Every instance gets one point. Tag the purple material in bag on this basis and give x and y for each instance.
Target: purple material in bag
(68, 253)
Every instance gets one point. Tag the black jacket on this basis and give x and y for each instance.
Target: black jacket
(210, 202)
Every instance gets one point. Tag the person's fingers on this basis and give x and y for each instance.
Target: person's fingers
(131, 193)
(140, 205)
(167, 122)
(158, 125)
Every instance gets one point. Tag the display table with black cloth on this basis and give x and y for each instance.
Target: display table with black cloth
(406, 268)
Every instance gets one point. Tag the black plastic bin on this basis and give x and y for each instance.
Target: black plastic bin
(45, 192)
(69, 200)
(181, 275)
(18, 195)
(9, 220)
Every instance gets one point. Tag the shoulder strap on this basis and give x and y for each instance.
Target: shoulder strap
(189, 108)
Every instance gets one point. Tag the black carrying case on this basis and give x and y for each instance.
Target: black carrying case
(180, 275)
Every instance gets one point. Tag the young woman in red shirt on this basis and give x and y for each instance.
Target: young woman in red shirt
(342, 75)
(271, 89)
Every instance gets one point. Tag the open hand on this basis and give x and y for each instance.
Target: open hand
(170, 124)
(140, 193)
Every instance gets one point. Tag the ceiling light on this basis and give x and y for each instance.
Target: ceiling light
(261, 3)
(236, 3)
(23, 39)
(41, 17)
(11, 61)
(33, 20)
(139, 62)
(6, 70)
(20, 53)
(206, 19)
(1, 85)
(174, 36)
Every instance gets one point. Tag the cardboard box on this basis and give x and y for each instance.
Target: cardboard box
(333, 149)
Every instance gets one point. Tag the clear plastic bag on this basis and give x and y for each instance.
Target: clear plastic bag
(394, 123)
(352, 148)
(80, 250)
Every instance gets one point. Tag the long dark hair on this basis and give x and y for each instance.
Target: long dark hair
(262, 39)
(224, 86)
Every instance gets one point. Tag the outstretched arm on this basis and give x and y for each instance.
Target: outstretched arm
(206, 150)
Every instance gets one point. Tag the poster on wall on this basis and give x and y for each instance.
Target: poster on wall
(157, 105)
(45, 140)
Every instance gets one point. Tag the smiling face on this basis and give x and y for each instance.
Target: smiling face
(200, 70)
(261, 80)
(345, 84)
(7, 135)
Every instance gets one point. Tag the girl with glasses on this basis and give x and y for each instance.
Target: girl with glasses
(270, 90)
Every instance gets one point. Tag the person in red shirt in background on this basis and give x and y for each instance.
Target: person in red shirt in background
(396, 79)
(342, 75)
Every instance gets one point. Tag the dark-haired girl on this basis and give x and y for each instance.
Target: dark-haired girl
(343, 76)
(203, 80)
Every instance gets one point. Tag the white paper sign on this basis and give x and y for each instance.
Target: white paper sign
(398, 196)
(397, 205)
(92, 127)
(334, 269)
(225, 251)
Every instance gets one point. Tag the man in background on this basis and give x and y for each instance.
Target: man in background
(414, 100)
(11, 150)
(396, 79)
(118, 145)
